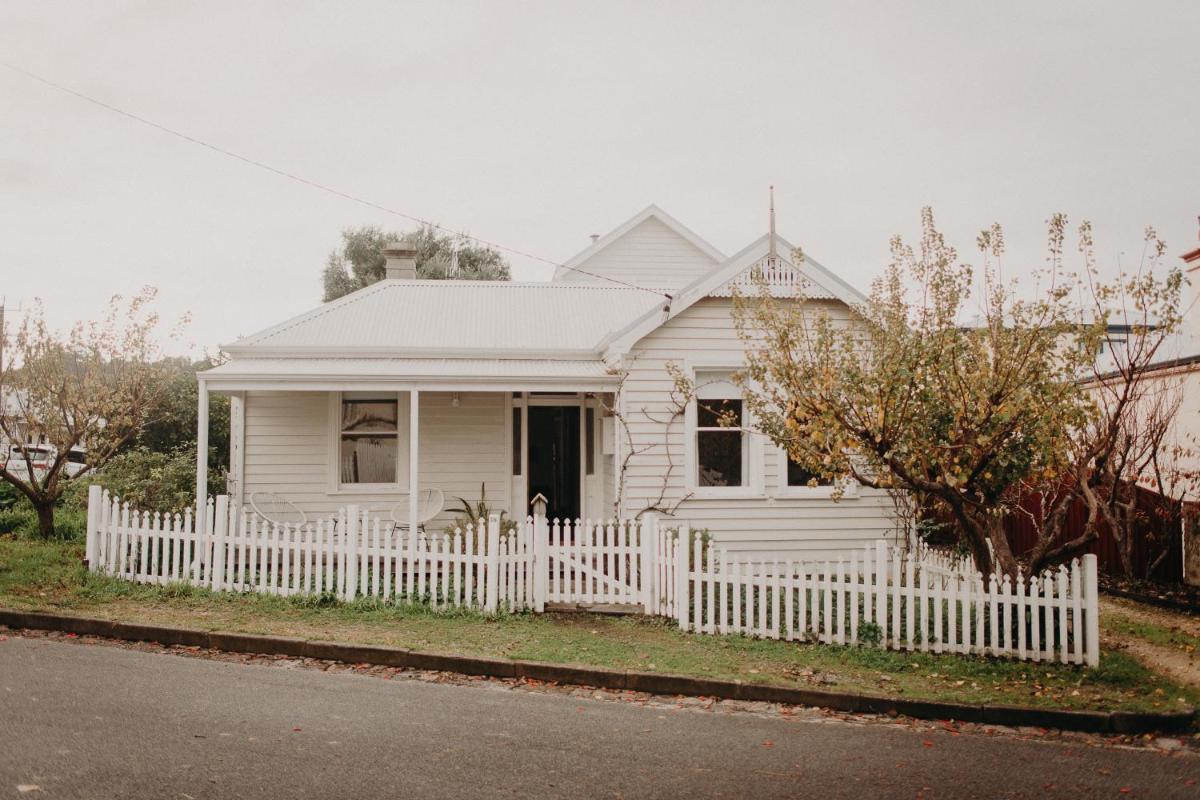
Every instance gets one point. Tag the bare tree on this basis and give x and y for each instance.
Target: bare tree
(92, 388)
(1132, 447)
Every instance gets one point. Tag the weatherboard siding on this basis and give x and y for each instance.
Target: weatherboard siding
(651, 254)
(289, 449)
(764, 526)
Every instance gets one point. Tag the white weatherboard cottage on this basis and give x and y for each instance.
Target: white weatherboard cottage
(555, 388)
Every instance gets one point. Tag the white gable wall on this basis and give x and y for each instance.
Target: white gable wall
(650, 255)
(762, 524)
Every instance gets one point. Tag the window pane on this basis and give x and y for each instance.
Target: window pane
(516, 442)
(716, 384)
(710, 412)
(368, 459)
(719, 454)
(369, 415)
(797, 476)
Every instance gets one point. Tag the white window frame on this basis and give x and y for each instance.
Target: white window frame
(785, 490)
(403, 441)
(752, 449)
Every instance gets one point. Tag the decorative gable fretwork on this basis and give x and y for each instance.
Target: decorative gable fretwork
(782, 277)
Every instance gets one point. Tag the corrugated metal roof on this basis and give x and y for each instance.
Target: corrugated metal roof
(407, 368)
(444, 317)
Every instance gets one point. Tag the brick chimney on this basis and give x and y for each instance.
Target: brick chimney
(401, 262)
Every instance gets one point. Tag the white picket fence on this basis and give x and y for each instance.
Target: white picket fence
(486, 564)
(905, 599)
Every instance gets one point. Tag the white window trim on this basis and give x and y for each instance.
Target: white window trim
(403, 440)
(784, 490)
(754, 456)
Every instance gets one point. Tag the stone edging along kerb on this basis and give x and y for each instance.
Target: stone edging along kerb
(1130, 722)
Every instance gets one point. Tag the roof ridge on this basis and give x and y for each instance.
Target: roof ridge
(556, 285)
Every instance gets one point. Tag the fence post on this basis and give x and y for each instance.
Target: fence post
(541, 561)
(682, 600)
(492, 574)
(1091, 598)
(351, 552)
(92, 548)
(881, 591)
(104, 525)
(647, 571)
(220, 529)
(364, 555)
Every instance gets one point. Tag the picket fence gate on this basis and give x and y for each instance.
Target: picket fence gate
(902, 598)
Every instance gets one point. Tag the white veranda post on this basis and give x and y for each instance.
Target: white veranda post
(413, 479)
(202, 458)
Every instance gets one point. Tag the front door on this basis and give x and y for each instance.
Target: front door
(554, 459)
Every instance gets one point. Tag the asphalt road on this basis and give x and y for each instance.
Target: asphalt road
(99, 721)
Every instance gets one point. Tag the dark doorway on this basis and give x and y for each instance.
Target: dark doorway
(554, 459)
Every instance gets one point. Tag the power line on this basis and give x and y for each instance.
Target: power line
(314, 184)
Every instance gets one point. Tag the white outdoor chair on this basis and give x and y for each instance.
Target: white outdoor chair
(430, 503)
(276, 509)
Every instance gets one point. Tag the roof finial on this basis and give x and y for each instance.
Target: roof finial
(772, 256)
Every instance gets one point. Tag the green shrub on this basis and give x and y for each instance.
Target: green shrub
(70, 524)
(147, 480)
(869, 633)
(8, 496)
(18, 519)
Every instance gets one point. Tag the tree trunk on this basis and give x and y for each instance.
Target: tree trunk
(981, 530)
(45, 515)
(1126, 552)
(1004, 562)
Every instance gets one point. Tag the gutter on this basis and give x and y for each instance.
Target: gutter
(1159, 366)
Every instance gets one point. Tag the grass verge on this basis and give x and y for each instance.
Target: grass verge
(48, 576)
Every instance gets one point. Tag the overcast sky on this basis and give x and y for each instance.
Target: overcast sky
(536, 124)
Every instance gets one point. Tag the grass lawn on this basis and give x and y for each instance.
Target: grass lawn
(49, 577)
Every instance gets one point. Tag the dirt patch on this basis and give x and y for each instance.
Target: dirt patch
(1164, 640)
(1186, 622)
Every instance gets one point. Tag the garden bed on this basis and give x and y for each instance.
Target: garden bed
(1175, 596)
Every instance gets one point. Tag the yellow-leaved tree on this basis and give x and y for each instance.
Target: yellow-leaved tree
(965, 395)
